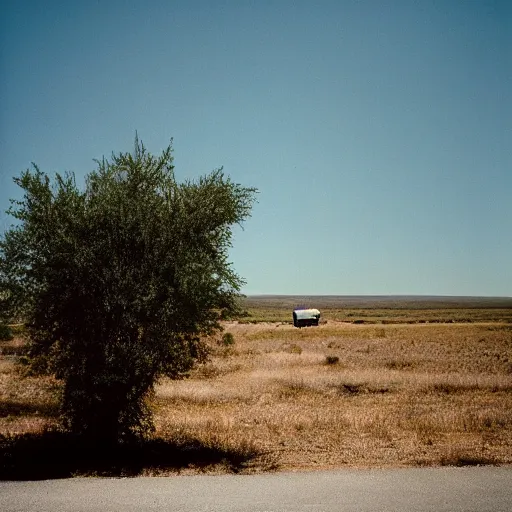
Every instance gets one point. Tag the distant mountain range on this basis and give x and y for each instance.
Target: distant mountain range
(380, 301)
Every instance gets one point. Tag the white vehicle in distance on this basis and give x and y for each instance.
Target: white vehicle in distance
(305, 317)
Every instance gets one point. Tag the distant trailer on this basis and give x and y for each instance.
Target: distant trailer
(305, 317)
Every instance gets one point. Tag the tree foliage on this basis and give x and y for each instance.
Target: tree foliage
(118, 281)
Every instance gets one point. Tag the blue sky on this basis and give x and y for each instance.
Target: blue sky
(378, 133)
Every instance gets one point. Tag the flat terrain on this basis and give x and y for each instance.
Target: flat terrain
(402, 384)
(382, 309)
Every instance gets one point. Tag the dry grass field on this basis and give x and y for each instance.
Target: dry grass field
(394, 393)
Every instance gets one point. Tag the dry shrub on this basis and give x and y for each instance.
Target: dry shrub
(292, 348)
(228, 339)
(460, 457)
(400, 364)
(457, 383)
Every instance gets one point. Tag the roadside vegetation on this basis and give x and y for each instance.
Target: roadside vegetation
(273, 397)
(117, 282)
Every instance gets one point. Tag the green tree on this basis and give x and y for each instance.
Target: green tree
(118, 281)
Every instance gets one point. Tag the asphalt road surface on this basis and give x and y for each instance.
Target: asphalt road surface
(440, 489)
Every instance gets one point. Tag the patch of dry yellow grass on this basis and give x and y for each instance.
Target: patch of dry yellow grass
(399, 395)
(422, 394)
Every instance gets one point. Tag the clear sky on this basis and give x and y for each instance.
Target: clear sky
(379, 133)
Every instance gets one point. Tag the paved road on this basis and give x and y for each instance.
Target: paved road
(411, 490)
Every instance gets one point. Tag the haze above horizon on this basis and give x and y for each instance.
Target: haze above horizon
(378, 133)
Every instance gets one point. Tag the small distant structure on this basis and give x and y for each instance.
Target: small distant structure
(305, 317)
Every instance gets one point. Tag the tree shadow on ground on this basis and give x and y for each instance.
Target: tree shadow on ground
(56, 454)
(21, 408)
